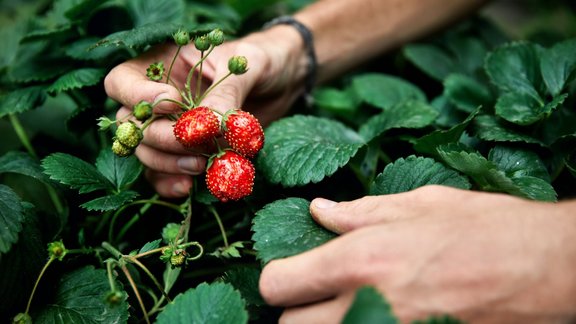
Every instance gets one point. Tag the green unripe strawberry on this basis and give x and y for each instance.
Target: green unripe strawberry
(129, 135)
(216, 37)
(202, 43)
(22, 318)
(57, 250)
(181, 37)
(142, 110)
(238, 65)
(121, 150)
(155, 71)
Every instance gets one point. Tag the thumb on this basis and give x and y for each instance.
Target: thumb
(349, 215)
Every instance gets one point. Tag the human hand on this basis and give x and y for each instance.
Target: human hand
(481, 257)
(267, 90)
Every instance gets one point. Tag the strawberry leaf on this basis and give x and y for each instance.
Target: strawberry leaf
(414, 172)
(406, 114)
(21, 100)
(558, 65)
(149, 12)
(207, 303)
(285, 228)
(432, 60)
(75, 173)
(245, 279)
(77, 79)
(303, 149)
(150, 246)
(492, 128)
(83, 49)
(110, 202)
(11, 218)
(369, 307)
(515, 67)
(22, 163)
(466, 93)
(335, 100)
(384, 91)
(517, 163)
(78, 297)
(522, 109)
(121, 171)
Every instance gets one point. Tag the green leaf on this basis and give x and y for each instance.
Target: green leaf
(77, 79)
(83, 49)
(407, 114)
(121, 171)
(522, 109)
(21, 100)
(414, 172)
(110, 202)
(515, 67)
(558, 66)
(24, 261)
(245, 280)
(517, 163)
(303, 149)
(285, 228)
(427, 144)
(335, 100)
(75, 173)
(149, 34)
(492, 128)
(150, 246)
(79, 298)
(22, 163)
(160, 11)
(432, 60)
(369, 307)
(384, 91)
(208, 303)
(489, 177)
(466, 93)
(11, 218)
(38, 61)
(83, 9)
(469, 51)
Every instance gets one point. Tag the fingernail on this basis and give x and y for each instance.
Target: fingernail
(180, 189)
(324, 203)
(190, 165)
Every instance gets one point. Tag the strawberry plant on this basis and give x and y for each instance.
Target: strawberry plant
(84, 237)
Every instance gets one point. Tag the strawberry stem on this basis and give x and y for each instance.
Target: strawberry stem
(199, 80)
(188, 83)
(172, 64)
(214, 85)
(136, 292)
(177, 102)
(52, 258)
(220, 225)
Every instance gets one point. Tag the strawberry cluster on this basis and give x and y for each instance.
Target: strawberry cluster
(230, 172)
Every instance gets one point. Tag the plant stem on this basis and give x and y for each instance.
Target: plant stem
(199, 100)
(188, 82)
(151, 276)
(28, 145)
(52, 258)
(220, 225)
(111, 281)
(199, 80)
(108, 247)
(136, 292)
(172, 64)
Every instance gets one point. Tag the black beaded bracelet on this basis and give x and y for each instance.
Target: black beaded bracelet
(306, 34)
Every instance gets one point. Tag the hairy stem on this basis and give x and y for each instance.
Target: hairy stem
(199, 100)
(52, 258)
(172, 64)
(220, 225)
(136, 292)
(187, 84)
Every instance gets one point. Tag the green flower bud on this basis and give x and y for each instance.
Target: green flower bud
(238, 65)
(170, 231)
(216, 37)
(57, 250)
(129, 135)
(202, 43)
(142, 110)
(181, 37)
(121, 150)
(22, 318)
(155, 71)
(114, 298)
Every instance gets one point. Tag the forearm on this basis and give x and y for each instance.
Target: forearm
(347, 33)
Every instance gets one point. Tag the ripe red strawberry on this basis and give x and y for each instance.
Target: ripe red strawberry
(230, 176)
(196, 126)
(243, 132)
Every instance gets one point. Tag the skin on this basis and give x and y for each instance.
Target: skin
(277, 66)
(493, 259)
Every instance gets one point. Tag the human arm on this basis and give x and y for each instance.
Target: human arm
(489, 258)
